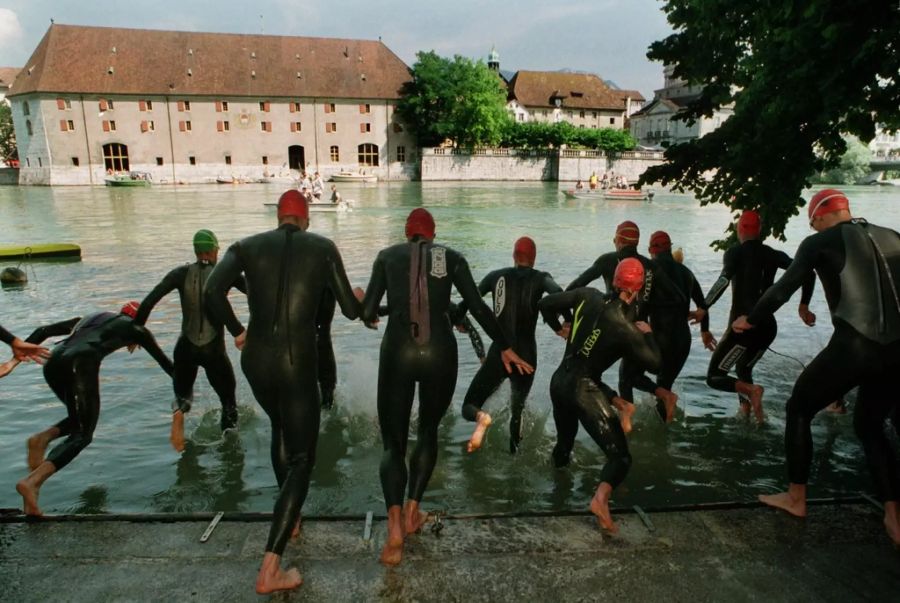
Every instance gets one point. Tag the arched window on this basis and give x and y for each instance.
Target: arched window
(28, 127)
(368, 154)
(115, 157)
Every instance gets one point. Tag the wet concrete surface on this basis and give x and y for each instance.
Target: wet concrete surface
(839, 553)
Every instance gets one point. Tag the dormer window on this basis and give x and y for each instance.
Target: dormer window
(577, 94)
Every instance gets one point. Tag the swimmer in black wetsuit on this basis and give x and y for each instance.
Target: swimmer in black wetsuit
(516, 291)
(859, 266)
(287, 271)
(327, 364)
(72, 372)
(419, 347)
(22, 350)
(626, 240)
(676, 286)
(750, 267)
(37, 337)
(201, 342)
(602, 332)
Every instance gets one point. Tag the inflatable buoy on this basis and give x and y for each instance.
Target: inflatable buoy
(13, 276)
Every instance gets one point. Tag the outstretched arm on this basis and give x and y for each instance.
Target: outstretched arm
(40, 334)
(340, 286)
(144, 338)
(219, 282)
(794, 277)
(169, 283)
(374, 292)
(729, 267)
(587, 277)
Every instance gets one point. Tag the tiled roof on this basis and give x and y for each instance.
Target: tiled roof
(576, 90)
(632, 94)
(666, 102)
(107, 60)
(7, 75)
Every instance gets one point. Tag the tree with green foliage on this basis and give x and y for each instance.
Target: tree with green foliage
(852, 167)
(456, 99)
(539, 135)
(8, 149)
(800, 73)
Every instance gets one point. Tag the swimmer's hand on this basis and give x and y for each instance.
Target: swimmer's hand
(372, 325)
(510, 358)
(740, 324)
(24, 351)
(808, 318)
(462, 328)
(643, 327)
(132, 347)
(565, 330)
(8, 366)
(359, 292)
(709, 342)
(696, 316)
(240, 340)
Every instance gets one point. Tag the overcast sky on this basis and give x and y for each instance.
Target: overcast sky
(606, 37)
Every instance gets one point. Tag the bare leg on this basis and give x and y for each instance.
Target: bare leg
(754, 394)
(600, 507)
(30, 486)
(176, 435)
(482, 422)
(37, 446)
(296, 531)
(8, 366)
(744, 408)
(626, 410)
(413, 518)
(392, 552)
(892, 520)
(793, 501)
(272, 578)
(669, 400)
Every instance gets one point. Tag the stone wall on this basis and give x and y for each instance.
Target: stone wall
(512, 164)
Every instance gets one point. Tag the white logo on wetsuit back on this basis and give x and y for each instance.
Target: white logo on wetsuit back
(438, 262)
(499, 296)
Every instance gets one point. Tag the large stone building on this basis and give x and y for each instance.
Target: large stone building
(653, 125)
(190, 107)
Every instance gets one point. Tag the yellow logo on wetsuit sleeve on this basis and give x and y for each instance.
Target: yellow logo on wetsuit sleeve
(589, 343)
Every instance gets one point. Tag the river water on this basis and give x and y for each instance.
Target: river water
(132, 237)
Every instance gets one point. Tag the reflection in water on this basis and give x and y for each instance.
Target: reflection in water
(93, 500)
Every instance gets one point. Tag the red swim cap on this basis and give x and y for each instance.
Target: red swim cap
(420, 222)
(130, 309)
(827, 201)
(525, 251)
(628, 232)
(749, 224)
(292, 203)
(660, 241)
(629, 275)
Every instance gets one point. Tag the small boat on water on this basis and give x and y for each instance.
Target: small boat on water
(353, 177)
(327, 207)
(627, 194)
(230, 180)
(40, 251)
(130, 179)
(583, 193)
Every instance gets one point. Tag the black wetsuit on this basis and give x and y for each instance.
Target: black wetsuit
(750, 267)
(675, 288)
(327, 364)
(859, 267)
(516, 291)
(201, 343)
(73, 372)
(287, 272)
(602, 332)
(418, 347)
(465, 323)
(605, 266)
(6, 337)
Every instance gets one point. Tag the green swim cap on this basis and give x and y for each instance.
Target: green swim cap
(205, 240)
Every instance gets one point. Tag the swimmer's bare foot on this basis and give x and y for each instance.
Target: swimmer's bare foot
(296, 531)
(29, 487)
(483, 421)
(600, 508)
(625, 414)
(744, 409)
(176, 435)
(37, 446)
(413, 518)
(272, 578)
(793, 501)
(753, 394)
(670, 402)
(892, 521)
(392, 552)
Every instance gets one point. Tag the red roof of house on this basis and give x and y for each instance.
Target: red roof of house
(108, 60)
(575, 90)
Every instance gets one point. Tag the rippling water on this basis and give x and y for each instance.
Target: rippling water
(132, 237)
